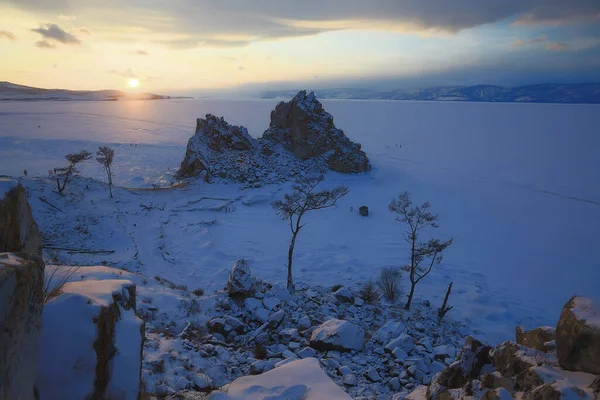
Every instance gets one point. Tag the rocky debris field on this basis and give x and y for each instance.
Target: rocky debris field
(302, 138)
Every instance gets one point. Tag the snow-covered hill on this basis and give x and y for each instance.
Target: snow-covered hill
(582, 93)
(11, 91)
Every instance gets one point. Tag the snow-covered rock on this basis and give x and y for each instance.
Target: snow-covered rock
(18, 230)
(337, 334)
(578, 336)
(538, 338)
(304, 322)
(271, 302)
(350, 380)
(307, 352)
(296, 380)
(343, 295)
(390, 330)
(91, 343)
(240, 280)
(403, 341)
(299, 130)
(305, 128)
(21, 303)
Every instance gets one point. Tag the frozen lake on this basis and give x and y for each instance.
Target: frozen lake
(516, 185)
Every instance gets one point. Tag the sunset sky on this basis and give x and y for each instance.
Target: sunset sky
(194, 44)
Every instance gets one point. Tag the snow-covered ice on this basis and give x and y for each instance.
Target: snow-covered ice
(515, 185)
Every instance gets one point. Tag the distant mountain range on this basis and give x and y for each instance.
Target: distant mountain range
(586, 93)
(11, 91)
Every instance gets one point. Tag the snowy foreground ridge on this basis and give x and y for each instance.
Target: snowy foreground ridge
(176, 293)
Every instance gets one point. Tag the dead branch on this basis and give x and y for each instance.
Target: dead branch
(50, 204)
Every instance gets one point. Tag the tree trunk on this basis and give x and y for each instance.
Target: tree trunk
(410, 296)
(110, 182)
(290, 282)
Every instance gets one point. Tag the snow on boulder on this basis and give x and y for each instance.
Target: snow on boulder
(21, 284)
(337, 334)
(403, 341)
(578, 336)
(390, 330)
(18, 230)
(240, 280)
(538, 338)
(92, 342)
(295, 380)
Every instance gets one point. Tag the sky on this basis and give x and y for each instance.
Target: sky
(179, 45)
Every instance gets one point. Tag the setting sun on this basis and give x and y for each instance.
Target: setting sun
(134, 83)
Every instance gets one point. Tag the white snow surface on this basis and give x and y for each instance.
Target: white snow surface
(296, 380)
(6, 185)
(516, 186)
(339, 333)
(587, 310)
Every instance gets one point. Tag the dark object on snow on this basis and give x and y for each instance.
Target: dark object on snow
(364, 211)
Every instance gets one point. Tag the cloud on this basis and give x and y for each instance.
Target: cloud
(66, 17)
(556, 46)
(7, 35)
(53, 32)
(128, 73)
(204, 22)
(139, 53)
(241, 68)
(84, 31)
(527, 42)
(45, 44)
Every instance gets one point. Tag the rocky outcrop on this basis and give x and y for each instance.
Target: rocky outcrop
(92, 342)
(302, 138)
(527, 369)
(18, 230)
(306, 129)
(21, 285)
(337, 334)
(578, 336)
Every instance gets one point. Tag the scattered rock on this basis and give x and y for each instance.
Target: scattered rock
(271, 302)
(364, 211)
(304, 322)
(350, 380)
(578, 336)
(343, 295)
(403, 341)
(307, 352)
(337, 334)
(240, 280)
(372, 375)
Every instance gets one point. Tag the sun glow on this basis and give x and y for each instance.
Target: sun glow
(133, 83)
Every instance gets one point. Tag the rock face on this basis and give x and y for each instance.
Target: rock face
(301, 139)
(306, 129)
(18, 230)
(21, 285)
(337, 334)
(578, 336)
(296, 380)
(240, 280)
(92, 342)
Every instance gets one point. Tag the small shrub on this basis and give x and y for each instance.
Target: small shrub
(368, 292)
(389, 283)
(198, 292)
(260, 352)
(55, 281)
(335, 288)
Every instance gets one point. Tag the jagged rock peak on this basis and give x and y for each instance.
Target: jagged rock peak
(220, 135)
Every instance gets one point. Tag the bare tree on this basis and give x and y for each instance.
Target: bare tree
(423, 255)
(105, 157)
(444, 308)
(64, 173)
(302, 199)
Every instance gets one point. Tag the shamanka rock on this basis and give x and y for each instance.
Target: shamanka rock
(21, 285)
(578, 336)
(302, 139)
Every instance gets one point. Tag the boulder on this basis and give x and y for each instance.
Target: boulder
(510, 358)
(240, 280)
(18, 230)
(538, 338)
(343, 295)
(337, 334)
(21, 303)
(92, 342)
(468, 366)
(294, 380)
(364, 211)
(578, 336)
